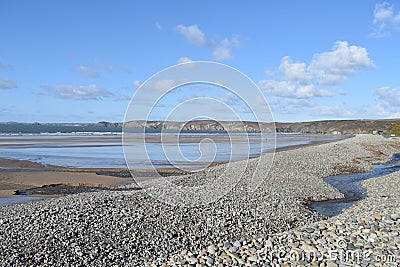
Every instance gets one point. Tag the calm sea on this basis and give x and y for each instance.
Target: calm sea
(101, 147)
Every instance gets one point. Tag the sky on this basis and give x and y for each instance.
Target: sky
(82, 61)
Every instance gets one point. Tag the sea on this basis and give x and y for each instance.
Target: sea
(81, 146)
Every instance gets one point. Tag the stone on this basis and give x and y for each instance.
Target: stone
(331, 264)
(237, 244)
(308, 248)
(192, 260)
(211, 249)
(253, 258)
(268, 244)
(377, 217)
(233, 249)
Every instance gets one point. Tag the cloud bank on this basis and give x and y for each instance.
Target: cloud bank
(297, 83)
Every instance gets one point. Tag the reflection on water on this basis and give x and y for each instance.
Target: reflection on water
(99, 151)
(6, 201)
(349, 186)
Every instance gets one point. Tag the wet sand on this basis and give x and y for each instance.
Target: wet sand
(22, 175)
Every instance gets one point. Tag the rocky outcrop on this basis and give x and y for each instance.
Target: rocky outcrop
(108, 124)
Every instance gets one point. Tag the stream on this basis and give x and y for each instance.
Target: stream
(349, 185)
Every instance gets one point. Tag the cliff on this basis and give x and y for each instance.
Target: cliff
(316, 127)
(203, 125)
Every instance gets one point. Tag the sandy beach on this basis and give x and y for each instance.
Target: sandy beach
(131, 228)
(22, 175)
(25, 180)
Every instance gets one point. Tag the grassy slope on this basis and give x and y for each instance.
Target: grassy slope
(395, 129)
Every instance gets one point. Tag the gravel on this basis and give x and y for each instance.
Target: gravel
(242, 228)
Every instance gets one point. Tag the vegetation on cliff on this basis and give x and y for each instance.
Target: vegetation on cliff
(394, 129)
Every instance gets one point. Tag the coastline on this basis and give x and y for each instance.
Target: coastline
(236, 229)
(313, 143)
(20, 175)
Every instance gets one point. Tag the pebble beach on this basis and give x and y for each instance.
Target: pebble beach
(271, 226)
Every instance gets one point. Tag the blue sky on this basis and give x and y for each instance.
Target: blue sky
(81, 61)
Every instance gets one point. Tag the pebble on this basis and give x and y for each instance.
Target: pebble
(377, 217)
(192, 260)
(211, 249)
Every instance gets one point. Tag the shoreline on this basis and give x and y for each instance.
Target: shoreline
(237, 229)
(312, 143)
(23, 175)
(20, 175)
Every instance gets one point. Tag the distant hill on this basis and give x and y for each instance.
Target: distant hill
(203, 125)
(340, 127)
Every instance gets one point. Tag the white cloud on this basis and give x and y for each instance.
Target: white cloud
(296, 80)
(184, 60)
(235, 102)
(383, 12)
(385, 19)
(136, 83)
(193, 34)
(99, 66)
(8, 84)
(296, 72)
(87, 71)
(102, 66)
(122, 98)
(298, 102)
(289, 105)
(292, 90)
(164, 85)
(6, 67)
(124, 69)
(158, 26)
(343, 61)
(388, 101)
(79, 92)
(281, 105)
(396, 19)
(270, 73)
(222, 54)
(222, 51)
(278, 88)
(341, 91)
(331, 111)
